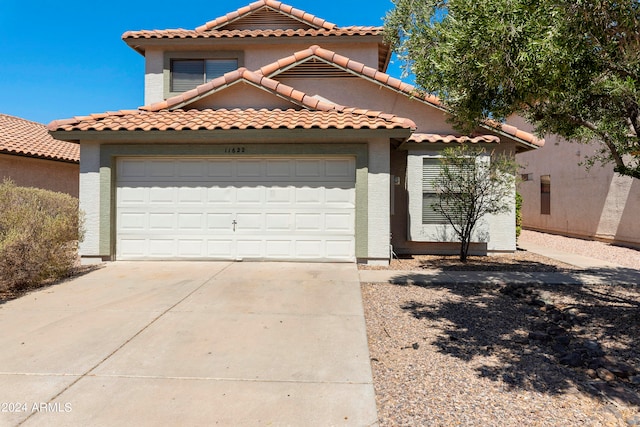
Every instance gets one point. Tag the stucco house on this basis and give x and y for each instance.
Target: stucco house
(270, 133)
(561, 196)
(31, 157)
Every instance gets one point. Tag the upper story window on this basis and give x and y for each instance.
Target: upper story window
(187, 74)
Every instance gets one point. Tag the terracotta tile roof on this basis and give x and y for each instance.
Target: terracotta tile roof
(384, 79)
(180, 33)
(24, 137)
(298, 14)
(273, 86)
(180, 120)
(432, 138)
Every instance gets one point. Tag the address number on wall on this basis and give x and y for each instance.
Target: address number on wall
(234, 150)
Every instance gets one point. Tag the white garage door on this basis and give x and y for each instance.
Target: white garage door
(221, 208)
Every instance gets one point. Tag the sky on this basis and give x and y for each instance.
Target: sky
(62, 59)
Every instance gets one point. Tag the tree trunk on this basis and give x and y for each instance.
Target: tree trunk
(464, 249)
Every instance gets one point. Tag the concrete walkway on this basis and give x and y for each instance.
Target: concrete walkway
(590, 270)
(197, 344)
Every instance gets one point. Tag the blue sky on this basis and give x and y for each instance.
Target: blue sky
(66, 58)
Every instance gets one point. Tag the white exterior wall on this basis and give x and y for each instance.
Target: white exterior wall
(379, 208)
(153, 78)
(502, 229)
(90, 198)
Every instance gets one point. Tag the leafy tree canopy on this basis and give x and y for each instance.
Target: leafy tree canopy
(570, 67)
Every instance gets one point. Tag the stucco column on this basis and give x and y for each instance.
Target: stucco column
(379, 216)
(153, 77)
(90, 198)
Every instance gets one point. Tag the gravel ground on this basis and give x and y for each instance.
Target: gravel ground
(625, 257)
(488, 355)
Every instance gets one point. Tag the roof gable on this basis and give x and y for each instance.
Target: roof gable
(299, 61)
(296, 97)
(267, 14)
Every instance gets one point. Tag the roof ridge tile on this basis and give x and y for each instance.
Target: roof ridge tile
(299, 14)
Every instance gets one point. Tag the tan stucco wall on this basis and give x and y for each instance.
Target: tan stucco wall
(242, 95)
(361, 93)
(254, 57)
(40, 173)
(595, 203)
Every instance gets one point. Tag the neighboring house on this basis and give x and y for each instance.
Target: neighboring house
(561, 196)
(270, 133)
(31, 157)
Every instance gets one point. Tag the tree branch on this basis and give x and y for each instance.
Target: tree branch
(604, 136)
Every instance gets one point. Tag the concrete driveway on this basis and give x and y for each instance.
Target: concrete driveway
(189, 343)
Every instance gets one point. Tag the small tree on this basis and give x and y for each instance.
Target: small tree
(472, 184)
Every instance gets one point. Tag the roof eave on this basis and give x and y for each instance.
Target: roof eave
(231, 135)
(141, 44)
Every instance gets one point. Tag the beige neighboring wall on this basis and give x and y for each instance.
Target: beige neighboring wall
(41, 173)
(595, 203)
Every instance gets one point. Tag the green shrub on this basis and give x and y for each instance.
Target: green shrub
(39, 233)
(518, 214)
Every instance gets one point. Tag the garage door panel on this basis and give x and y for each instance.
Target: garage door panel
(221, 195)
(220, 222)
(159, 195)
(132, 247)
(161, 168)
(279, 249)
(190, 248)
(191, 221)
(190, 168)
(250, 248)
(339, 197)
(278, 222)
(278, 168)
(132, 168)
(162, 248)
(190, 195)
(220, 248)
(245, 195)
(162, 221)
(280, 195)
(339, 249)
(309, 248)
(309, 222)
(249, 168)
(339, 222)
(339, 168)
(309, 196)
(133, 221)
(308, 168)
(220, 169)
(133, 196)
(249, 222)
(282, 209)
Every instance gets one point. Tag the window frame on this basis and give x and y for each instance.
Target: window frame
(545, 194)
(430, 192)
(416, 230)
(169, 57)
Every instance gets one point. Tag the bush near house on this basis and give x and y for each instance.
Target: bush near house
(518, 214)
(39, 232)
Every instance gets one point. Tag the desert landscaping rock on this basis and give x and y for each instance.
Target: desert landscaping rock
(489, 355)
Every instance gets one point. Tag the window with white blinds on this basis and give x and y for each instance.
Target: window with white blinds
(187, 74)
(430, 172)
